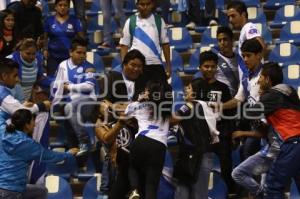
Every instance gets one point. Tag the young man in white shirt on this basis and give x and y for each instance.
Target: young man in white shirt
(238, 17)
(147, 33)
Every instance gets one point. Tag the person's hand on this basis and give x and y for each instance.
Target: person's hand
(28, 104)
(46, 54)
(237, 134)
(47, 103)
(66, 87)
(215, 106)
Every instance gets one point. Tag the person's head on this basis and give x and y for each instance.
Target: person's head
(237, 14)
(270, 76)
(78, 50)
(189, 94)
(7, 20)
(225, 40)
(252, 53)
(9, 72)
(160, 94)
(208, 65)
(27, 49)
(21, 120)
(62, 7)
(145, 7)
(29, 3)
(133, 64)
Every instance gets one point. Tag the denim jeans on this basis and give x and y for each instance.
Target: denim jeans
(244, 173)
(77, 116)
(199, 190)
(80, 12)
(32, 191)
(119, 17)
(286, 166)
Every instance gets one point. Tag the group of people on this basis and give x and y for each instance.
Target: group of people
(238, 97)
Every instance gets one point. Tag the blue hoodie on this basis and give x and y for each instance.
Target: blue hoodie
(17, 150)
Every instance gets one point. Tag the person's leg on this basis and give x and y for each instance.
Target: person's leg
(244, 174)
(194, 11)
(182, 191)
(200, 188)
(119, 13)
(80, 12)
(165, 6)
(286, 166)
(35, 191)
(223, 150)
(154, 72)
(106, 10)
(250, 147)
(5, 194)
(155, 163)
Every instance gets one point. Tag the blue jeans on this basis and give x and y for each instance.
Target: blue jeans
(80, 12)
(199, 190)
(78, 117)
(255, 165)
(106, 6)
(286, 166)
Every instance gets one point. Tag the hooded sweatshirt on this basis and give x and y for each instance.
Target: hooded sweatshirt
(17, 150)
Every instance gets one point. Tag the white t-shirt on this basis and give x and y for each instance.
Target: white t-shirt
(253, 89)
(248, 31)
(155, 129)
(148, 25)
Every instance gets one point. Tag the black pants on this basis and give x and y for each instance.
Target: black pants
(223, 151)
(147, 159)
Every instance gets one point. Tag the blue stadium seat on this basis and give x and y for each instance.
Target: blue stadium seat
(217, 188)
(285, 14)
(294, 193)
(65, 170)
(94, 9)
(209, 37)
(197, 75)
(291, 75)
(256, 15)
(193, 63)
(265, 32)
(252, 3)
(180, 39)
(275, 4)
(91, 188)
(96, 60)
(290, 33)
(95, 23)
(129, 7)
(116, 61)
(285, 53)
(176, 61)
(220, 4)
(58, 188)
(178, 94)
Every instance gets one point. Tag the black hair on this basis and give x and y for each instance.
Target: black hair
(134, 54)
(239, 6)
(208, 56)
(7, 65)
(160, 93)
(226, 30)
(252, 45)
(78, 41)
(3, 14)
(19, 119)
(273, 71)
(57, 1)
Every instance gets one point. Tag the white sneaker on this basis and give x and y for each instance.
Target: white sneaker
(191, 25)
(134, 195)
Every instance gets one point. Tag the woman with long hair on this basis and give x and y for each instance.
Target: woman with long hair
(147, 152)
(8, 38)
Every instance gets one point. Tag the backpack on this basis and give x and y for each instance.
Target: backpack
(132, 25)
